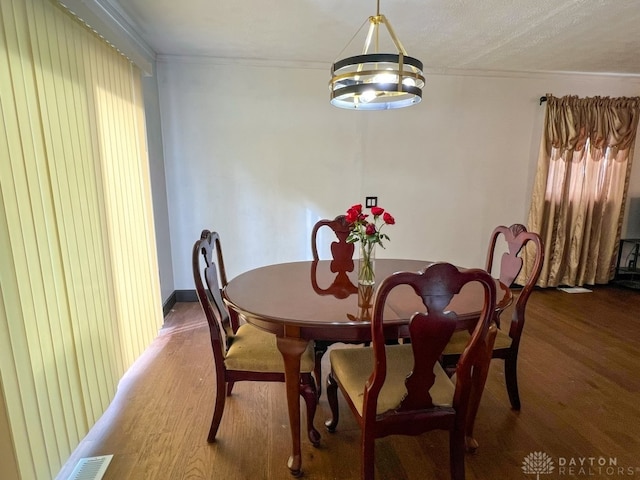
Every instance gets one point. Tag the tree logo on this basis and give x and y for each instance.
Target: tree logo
(537, 463)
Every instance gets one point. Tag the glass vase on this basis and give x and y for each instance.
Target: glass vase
(365, 301)
(366, 265)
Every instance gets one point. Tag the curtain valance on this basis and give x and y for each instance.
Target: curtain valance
(606, 122)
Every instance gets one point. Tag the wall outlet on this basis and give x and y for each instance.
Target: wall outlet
(371, 202)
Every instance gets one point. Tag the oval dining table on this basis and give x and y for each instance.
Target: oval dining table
(322, 300)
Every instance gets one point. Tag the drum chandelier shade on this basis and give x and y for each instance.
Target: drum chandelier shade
(376, 81)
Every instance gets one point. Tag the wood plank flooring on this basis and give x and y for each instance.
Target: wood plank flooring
(579, 378)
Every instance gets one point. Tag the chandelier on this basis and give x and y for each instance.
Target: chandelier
(375, 80)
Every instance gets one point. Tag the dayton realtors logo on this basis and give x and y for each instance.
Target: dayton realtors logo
(539, 463)
(594, 466)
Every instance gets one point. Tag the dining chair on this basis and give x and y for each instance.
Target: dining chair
(248, 353)
(234, 319)
(509, 332)
(342, 256)
(341, 251)
(402, 389)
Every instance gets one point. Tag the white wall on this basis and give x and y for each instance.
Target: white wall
(158, 185)
(258, 153)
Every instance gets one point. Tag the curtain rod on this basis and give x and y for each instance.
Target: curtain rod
(543, 99)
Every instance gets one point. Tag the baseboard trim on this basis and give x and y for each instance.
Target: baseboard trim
(186, 296)
(178, 296)
(168, 305)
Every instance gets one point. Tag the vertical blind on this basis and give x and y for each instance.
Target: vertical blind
(80, 297)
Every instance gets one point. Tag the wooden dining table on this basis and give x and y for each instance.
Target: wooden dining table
(305, 301)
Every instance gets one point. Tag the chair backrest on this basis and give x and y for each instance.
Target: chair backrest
(430, 330)
(341, 251)
(516, 237)
(205, 277)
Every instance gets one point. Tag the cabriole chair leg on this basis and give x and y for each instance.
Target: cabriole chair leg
(511, 379)
(332, 398)
(310, 396)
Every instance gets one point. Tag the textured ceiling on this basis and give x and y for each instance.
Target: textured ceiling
(600, 36)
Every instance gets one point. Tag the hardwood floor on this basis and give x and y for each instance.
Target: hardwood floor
(579, 378)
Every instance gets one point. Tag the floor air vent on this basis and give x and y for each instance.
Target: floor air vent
(91, 468)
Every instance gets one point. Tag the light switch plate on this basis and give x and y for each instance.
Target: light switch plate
(371, 202)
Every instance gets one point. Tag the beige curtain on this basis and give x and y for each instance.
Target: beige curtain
(79, 288)
(580, 188)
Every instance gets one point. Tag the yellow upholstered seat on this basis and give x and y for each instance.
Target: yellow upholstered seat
(255, 350)
(354, 366)
(460, 339)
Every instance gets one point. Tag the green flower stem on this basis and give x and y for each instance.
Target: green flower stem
(366, 273)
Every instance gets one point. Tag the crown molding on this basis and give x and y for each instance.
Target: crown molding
(111, 23)
(452, 72)
(248, 62)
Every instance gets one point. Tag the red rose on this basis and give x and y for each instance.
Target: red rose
(352, 215)
(357, 208)
(388, 219)
(377, 211)
(371, 229)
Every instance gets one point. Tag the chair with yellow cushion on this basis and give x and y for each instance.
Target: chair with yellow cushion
(402, 389)
(341, 251)
(342, 262)
(509, 334)
(516, 237)
(246, 353)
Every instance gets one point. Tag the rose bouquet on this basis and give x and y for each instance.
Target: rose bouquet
(369, 234)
